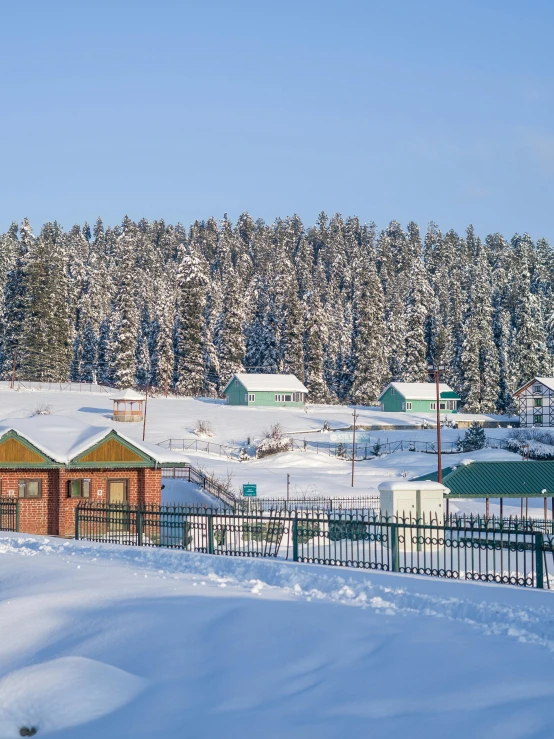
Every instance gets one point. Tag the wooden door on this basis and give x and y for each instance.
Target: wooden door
(117, 491)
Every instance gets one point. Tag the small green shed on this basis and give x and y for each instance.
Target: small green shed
(418, 397)
(257, 389)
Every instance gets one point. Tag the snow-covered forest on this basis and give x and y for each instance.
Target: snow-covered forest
(344, 306)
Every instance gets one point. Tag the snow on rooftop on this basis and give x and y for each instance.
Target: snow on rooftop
(62, 438)
(278, 383)
(546, 381)
(127, 394)
(418, 390)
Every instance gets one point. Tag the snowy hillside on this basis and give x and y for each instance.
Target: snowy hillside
(111, 642)
(311, 473)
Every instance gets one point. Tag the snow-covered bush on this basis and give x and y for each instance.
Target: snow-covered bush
(243, 455)
(203, 428)
(341, 450)
(538, 444)
(474, 438)
(274, 442)
(377, 448)
(42, 410)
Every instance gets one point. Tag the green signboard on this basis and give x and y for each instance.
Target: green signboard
(249, 491)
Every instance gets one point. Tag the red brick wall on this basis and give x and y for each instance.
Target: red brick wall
(54, 512)
(36, 515)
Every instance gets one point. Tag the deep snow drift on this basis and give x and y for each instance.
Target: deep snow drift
(107, 641)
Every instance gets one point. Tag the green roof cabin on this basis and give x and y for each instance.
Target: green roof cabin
(257, 389)
(418, 397)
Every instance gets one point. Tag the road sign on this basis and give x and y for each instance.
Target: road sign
(346, 437)
(249, 491)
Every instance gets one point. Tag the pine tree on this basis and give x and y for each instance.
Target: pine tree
(189, 359)
(230, 330)
(370, 356)
(316, 337)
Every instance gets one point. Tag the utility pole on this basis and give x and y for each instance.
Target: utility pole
(354, 444)
(436, 369)
(13, 370)
(144, 419)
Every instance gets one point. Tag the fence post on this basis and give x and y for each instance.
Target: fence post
(210, 529)
(394, 547)
(139, 526)
(295, 539)
(76, 522)
(17, 515)
(539, 560)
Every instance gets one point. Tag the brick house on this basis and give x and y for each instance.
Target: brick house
(50, 464)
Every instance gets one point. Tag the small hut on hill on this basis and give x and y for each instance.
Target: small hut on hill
(128, 406)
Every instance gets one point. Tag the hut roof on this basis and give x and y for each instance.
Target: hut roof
(127, 394)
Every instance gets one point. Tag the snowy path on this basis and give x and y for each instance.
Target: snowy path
(199, 646)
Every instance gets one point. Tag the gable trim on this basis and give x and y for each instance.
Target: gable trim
(144, 459)
(44, 461)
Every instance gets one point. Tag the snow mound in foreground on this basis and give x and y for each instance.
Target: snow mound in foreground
(62, 693)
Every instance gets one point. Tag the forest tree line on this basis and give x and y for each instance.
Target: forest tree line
(344, 306)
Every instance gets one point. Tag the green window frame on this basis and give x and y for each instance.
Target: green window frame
(537, 420)
(29, 489)
(537, 402)
(79, 488)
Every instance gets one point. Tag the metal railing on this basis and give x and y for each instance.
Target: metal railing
(9, 514)
(77, 387)
(460, 548)
(366, 503)
(200, 445)
(371, 449)
(188, 473)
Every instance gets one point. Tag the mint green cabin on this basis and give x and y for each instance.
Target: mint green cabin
(418, 397)
(270, 391)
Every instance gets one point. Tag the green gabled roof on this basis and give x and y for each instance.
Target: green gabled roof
(497, 479)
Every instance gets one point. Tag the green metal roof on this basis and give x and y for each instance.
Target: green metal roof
(449, 394)
(498, 479)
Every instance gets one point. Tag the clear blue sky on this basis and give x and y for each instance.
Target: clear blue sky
(390, 109)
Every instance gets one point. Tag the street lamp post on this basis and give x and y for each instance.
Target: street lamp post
(436, 369)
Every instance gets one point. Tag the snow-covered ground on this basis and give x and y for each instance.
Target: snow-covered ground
(112, 642)
(311, 473)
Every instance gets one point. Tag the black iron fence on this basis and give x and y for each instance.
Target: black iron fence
(367, 503)
(493, 550)
(9, 514)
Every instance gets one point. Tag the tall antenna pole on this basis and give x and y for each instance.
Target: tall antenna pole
(144, 419)
(354, 444)
(439, 459)
(13, 370)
